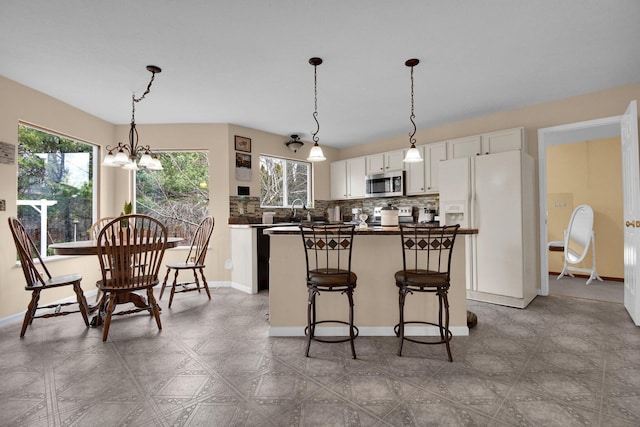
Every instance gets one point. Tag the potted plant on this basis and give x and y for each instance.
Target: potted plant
(127, 209)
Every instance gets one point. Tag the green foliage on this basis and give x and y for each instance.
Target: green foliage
(49, 168)
(178, 195)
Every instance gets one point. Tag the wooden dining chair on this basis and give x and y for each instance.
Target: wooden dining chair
(98, 225)
(39, 279)
(95, 230)
(130, 250)
(194, 262)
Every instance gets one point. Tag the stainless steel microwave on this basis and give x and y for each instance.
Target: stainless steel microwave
(385, 184)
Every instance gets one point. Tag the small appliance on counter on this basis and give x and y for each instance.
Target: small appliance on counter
(427, 214)
(391, 216)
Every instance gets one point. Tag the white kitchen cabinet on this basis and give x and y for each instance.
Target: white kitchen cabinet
(504, 140)
(464, 147)
(487, 143)
(347, 178)
(385, 162)
(433, 155)
(415, 175)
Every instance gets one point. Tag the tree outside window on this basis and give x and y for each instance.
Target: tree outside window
(282, 181)
(56, 186)
(177, 195)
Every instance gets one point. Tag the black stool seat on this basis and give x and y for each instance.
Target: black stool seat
(332, 278)
(426, 258)
(328, 258)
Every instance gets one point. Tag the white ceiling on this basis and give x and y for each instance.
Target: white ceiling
(246, 61)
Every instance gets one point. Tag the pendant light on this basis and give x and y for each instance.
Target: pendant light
(126, 155)
(412, 155)
(316, 154)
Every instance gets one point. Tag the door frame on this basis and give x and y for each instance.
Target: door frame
(608, 127)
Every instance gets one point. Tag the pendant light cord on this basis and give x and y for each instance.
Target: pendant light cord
(315, 99)
(134, 99)
(412, 140)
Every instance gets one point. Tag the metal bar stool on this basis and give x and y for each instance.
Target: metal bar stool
(426, 265)
(328, 257)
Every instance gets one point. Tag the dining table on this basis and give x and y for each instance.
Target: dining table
(90, 247)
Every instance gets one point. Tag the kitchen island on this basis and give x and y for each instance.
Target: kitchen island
(376, 257)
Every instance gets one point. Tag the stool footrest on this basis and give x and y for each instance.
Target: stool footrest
(448, 335)
(332, 341)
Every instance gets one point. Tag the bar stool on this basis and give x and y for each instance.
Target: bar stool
(328, 258)
(426, 265)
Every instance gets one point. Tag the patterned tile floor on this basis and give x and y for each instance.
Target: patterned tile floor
(560, 362)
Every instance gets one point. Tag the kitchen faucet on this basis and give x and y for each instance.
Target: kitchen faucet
(293, 208)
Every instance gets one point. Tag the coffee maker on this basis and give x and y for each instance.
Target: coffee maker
(427, 214)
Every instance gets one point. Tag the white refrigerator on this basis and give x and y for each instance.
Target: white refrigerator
(494, 193)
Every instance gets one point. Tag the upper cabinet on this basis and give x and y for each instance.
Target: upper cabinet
(504, 140)
(464, 147)
(433, 154)
(487, 143)
(422, 177)
(415, 175)
(385, 162)
(347, 178)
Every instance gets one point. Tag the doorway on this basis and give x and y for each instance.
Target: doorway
(564, 134)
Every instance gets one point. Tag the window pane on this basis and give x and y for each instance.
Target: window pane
(282, 181)
(297, 184)
(56, 186)
(178, 195)
(271, 181)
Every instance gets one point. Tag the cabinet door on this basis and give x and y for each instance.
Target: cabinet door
(356, 177)
(375, 163)
(414, 174)
(338, 171)
(433, 154)
(464, 147)
(506, 140)
(394, 160)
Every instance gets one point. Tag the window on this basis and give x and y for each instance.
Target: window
(178, 195)
(57, 186)
(283, 181)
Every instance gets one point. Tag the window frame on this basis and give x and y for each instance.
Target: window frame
(287, 203)
(96, 176)
(134, 182)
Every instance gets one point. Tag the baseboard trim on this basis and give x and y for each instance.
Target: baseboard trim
(586, 276)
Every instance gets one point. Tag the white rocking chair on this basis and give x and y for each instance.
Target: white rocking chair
(578, 237)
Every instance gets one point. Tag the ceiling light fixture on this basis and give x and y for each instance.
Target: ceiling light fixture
(316, 154)
(412, 155)
(126, 155)
(294, 144)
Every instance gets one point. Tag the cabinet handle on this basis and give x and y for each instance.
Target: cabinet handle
(632, 224)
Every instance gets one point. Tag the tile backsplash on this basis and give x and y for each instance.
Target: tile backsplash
(246, 209)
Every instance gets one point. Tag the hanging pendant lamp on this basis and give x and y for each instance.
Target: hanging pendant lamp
(316, 154)
(412, 155)
(126, 155)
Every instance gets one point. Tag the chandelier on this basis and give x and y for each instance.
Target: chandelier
(126, 155)
(316, 154)
(412, 155)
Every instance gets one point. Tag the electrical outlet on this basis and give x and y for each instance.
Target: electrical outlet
(3, 205)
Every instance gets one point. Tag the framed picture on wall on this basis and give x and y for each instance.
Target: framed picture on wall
(243, 144)
(243, 160)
